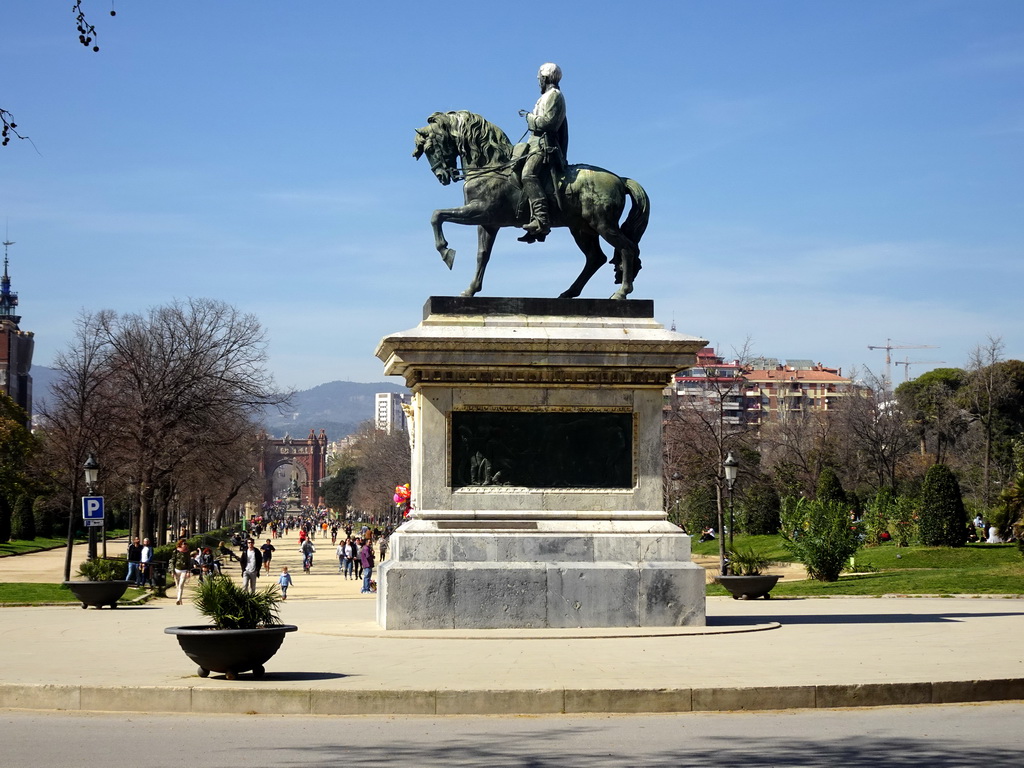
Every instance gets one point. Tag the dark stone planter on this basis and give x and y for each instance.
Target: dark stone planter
(97, 593)
(748, 587)
(230, 651)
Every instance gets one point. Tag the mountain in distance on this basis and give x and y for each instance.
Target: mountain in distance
(338, 407)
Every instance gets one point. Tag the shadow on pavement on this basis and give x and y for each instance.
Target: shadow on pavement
(856, 618)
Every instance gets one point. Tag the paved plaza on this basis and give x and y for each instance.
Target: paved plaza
(764, 654)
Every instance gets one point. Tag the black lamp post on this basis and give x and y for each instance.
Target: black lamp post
(731, 466)
(91, 470)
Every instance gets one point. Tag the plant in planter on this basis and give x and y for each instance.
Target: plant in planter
(747, 581)
(103, 582)
(246, 630)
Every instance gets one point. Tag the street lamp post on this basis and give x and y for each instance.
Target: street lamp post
(731, 466)
(91, 469)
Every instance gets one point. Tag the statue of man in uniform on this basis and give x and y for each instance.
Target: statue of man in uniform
(547, 146)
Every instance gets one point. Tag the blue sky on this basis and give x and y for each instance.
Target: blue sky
(823, 176)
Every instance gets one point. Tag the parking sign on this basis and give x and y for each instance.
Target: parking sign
(92, 507)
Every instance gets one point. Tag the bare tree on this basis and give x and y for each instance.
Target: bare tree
(383, 461)
(158, 393)
(874, 429)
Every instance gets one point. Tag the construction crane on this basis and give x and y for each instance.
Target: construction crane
(889, 347)
(908, 363)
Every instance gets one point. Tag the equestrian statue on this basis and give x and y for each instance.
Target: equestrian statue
(530, 185)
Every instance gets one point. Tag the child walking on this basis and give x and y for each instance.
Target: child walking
(284, 581)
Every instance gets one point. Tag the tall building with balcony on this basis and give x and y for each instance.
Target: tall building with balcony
(798, 386)
(710, 384)
(765, 389)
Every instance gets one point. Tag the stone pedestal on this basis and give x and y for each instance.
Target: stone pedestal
(537, 469)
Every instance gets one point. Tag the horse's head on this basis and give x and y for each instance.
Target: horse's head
(436, 143)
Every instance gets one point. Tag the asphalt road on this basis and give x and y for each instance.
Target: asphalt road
(929, 736)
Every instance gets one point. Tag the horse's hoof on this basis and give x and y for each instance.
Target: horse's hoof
(448, 257)
(618, 296)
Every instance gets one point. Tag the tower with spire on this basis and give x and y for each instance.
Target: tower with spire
(16, 345)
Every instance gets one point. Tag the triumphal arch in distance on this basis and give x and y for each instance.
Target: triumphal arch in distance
(286, 458)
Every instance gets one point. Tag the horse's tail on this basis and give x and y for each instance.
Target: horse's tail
(639, 212)
(634, 226)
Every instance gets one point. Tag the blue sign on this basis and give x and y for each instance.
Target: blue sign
(92, 507)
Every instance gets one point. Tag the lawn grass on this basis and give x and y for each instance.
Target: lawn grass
(23, 593)
(25, 546)
(978, 569)
(34, 594)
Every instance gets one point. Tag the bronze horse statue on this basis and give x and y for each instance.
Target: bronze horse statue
(591, 199)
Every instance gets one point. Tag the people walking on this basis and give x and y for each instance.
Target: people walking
(366, 558)
(181, 563)
(134, 552)
(307, 550)
(268, 554)
(145, 565)
(350, 558)
(251, 561)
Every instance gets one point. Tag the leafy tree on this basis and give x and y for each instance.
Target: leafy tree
(933, 407)
(875, 521)
(820, 534)
(337, 490)
(760, 509)
(943, 516)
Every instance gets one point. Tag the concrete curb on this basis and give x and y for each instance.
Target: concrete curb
(271, 701)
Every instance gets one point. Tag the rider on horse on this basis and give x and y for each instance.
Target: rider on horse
(547, 148)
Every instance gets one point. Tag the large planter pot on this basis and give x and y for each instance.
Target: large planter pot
(97, 593)
(230, 651)
(749, 587)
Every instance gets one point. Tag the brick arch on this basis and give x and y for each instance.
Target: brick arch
(309, 454)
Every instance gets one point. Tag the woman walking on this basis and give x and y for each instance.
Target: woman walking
(181, 562)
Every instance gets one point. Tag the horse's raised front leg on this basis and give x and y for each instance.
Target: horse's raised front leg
(473, 213)
(485, 242)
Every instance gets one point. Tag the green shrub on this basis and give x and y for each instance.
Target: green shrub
(103, 570)
(943, 516)
(819, 534)
(23, 524)
(231, 607)
(904, 526)
(45, 519)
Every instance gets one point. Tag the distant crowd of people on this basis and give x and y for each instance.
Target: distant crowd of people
(357, 554)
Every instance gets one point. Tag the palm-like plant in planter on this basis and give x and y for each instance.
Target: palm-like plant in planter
(103, 582)
(747, 581)
(245, 633)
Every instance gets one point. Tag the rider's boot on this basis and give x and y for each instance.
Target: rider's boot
(538, 228)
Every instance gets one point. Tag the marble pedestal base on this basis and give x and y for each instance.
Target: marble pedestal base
(537, 469)
(582, 575)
